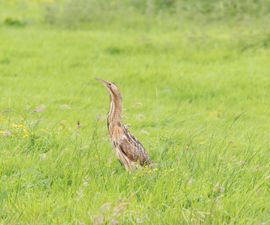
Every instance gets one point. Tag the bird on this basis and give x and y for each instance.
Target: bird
(129, 151)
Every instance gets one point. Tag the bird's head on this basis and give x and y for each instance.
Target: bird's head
(111, 87)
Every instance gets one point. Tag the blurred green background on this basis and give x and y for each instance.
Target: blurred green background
(136, 13)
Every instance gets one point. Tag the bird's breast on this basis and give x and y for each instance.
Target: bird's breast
(115, 133)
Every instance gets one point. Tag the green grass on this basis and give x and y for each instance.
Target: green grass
(197, 97)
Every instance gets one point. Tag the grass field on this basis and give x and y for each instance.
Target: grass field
(196, 95)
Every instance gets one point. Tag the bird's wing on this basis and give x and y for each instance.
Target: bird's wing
(133, 149)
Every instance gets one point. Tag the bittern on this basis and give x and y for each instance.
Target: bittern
(129, 151)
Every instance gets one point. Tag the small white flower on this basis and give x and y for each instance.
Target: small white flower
(40, 108)
(6, 133)
(86, 182)
(222, 189)
(42, 156)
(190, 181)
(79, 194)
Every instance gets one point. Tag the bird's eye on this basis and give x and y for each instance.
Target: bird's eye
(110, 84)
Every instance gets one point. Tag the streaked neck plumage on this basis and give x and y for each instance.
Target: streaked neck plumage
(115, 112)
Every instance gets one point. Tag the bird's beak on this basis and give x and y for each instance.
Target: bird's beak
(104, 82)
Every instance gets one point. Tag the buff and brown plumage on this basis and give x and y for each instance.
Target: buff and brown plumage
(129, 151)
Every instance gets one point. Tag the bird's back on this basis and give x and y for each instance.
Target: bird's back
(129, 150)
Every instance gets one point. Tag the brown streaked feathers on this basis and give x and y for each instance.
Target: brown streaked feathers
(129, 151)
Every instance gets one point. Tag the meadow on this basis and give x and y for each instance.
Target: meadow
(196, 93)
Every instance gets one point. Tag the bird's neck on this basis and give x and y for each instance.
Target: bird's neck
(115, 112)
